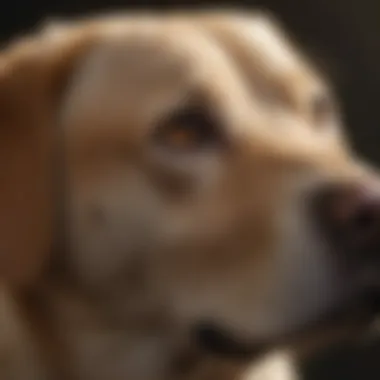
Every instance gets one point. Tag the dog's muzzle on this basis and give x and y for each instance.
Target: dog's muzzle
(349, 218)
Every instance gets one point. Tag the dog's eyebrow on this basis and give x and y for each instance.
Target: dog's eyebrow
(195, 108)
(192, 100)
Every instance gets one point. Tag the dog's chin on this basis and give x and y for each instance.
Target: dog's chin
(217, 340)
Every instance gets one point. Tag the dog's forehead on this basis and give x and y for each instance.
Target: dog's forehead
(168, 48)
(147, 67)
(267, 57)
(142, 68)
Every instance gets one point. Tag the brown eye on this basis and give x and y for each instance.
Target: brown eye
(321, 108)
(187, 130)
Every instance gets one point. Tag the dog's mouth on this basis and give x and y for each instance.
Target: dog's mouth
(217, 340)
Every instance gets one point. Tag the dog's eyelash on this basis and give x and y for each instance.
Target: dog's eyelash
(189, 128)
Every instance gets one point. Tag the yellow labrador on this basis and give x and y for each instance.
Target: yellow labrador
(176, 193)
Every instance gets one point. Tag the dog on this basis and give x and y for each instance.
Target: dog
(178, 197)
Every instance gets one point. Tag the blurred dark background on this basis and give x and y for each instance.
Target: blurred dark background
(345, 34)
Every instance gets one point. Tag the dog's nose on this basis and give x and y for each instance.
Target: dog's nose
(349, 214)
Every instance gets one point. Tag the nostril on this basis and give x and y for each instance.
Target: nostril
(347, 218)
(363, 220)
(350, 214)
(361, 226)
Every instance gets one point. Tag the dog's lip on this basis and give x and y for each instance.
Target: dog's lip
(218, 340)
(214, 339)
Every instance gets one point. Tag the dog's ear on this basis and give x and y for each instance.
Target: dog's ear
(33, 73)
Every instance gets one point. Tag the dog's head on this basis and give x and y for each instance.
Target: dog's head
(204, 172)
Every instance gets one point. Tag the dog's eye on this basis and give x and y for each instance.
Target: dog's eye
(321, 108)
(187, 130)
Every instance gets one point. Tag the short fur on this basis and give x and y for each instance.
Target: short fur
(152, 240)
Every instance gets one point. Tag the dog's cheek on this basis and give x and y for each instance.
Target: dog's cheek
(112, 225)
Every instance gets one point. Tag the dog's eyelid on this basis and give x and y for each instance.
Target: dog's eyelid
(191, 127)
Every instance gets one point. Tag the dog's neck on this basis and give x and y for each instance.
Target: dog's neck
(80, 337)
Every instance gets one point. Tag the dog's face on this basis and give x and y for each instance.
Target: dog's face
(206, 174)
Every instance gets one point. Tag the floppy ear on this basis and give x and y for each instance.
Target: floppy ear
(33, 73)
